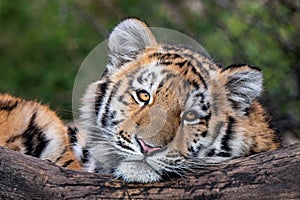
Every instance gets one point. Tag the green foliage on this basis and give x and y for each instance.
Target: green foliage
(42, 43)
(41, 48)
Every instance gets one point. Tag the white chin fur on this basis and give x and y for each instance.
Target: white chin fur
(137, 171)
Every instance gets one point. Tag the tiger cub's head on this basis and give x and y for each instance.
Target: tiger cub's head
(161, 109)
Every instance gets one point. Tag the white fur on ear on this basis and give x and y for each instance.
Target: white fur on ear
(128, 39)
(243, 84)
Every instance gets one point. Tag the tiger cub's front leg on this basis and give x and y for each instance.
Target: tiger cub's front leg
(34, 129)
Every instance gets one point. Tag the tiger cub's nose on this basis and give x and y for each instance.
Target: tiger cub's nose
(146, 149)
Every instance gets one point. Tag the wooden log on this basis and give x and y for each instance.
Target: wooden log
(268, 175)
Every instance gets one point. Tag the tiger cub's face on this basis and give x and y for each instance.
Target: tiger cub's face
(162, 109)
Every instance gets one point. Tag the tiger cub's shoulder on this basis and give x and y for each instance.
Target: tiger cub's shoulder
(34, 129)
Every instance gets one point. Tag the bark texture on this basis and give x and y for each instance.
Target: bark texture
(268, 175)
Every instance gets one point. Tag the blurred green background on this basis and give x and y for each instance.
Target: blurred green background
(43, 43)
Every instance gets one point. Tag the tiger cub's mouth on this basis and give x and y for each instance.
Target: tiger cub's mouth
(144, 165)
(147, 149)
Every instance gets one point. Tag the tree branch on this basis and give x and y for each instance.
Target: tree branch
(269, 175)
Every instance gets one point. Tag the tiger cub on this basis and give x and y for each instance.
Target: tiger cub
(158, 110)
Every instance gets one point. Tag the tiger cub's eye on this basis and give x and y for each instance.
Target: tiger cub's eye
(190, 116)
(143, 96)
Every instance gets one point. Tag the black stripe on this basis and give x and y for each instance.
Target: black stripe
(160, 85)
(167, 56)
(67, 163)
(205, 107)
(204, 133)
(234, 104)
(9, 105)
(204, 121)
(140, 79)
(187, 47)
(166, 62)
(13, 139)
(107, 115)
(100, 94)
(134, 99)
(241, 65)
(124, 146)
(195, 151)
(195, 84)
(61, 154)
(228, 135)
(181, 64)
(201, 97)
(85, 156)
(211, 153)
(116, 122)
(223, 154)
(155, 55)
(34, 138)
(72, 134)
(193, 68)
(172, 56)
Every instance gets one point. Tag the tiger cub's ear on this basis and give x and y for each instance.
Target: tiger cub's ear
(128, 38)
(243, 84)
